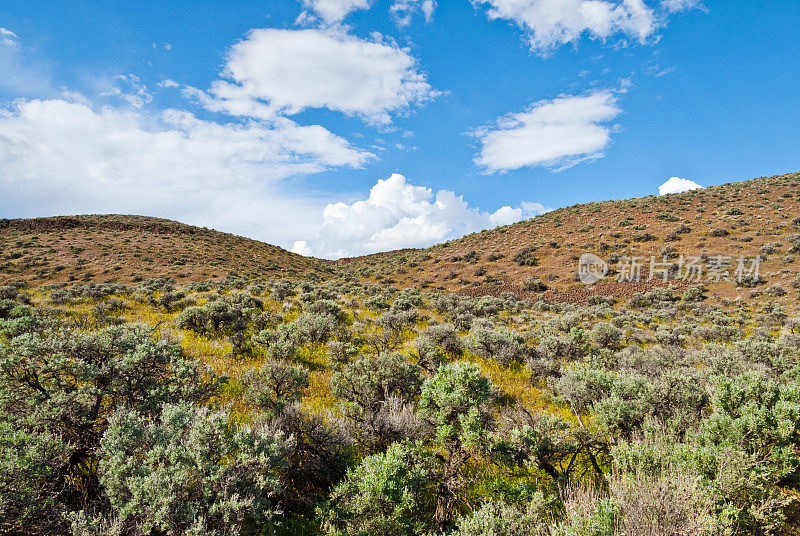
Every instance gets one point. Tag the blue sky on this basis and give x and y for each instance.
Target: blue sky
(338, 127)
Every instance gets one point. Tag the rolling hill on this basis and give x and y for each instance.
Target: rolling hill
(755, 218)
(131, 248)
(580, 403)
(751, 218)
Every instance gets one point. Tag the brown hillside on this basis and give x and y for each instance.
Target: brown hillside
(759, 217)
(130, 248)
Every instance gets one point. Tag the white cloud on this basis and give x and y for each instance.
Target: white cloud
(8, 38)
(287, 71)
(301, 247)
(532, 209)
(63, 156)
(20, 73)
(674, 6)
(676, 185)
(551, 23)
(133, 91)
(404, 10)
(556, 133)
(334, 11)
(398, 215)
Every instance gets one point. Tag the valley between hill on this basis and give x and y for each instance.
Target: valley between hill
(750, 218)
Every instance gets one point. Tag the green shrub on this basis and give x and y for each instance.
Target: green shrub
(29, 466)
(794, 243)
(501, 519)
(501, 345)
(455, 401)
(387, 493)
(275, 386)
(68, 385)
(369, 381)
(280, 343)
(191, 472)
(325, 307)
(445, 337)
(619, 401)
(220, 316)
(602, 520)
(316, 328)
(534, 284)
(606, 336)
(526, 257)
(376, 303)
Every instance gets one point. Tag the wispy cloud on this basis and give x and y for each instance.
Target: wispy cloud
(405, 10)
(331, 11)
(8, 38)
(551, 23)
(675, 6)
(20, 73)
(130, 89)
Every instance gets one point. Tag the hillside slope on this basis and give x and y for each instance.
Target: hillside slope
(750, 218)
(756, 218)
(580, 414)
(130, 248)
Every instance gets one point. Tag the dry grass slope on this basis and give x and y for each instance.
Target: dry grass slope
(750, 218)
(537, 256)
(127, 249)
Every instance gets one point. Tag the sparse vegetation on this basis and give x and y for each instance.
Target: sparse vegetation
(514, 402)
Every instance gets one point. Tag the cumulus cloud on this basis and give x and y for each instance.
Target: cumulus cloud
(404, 10)
(283, 72)
(301, 247)
(551, 23)
(397, 214)
(557, 133)
(333, 11)
(62, 156)
(676, 185)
